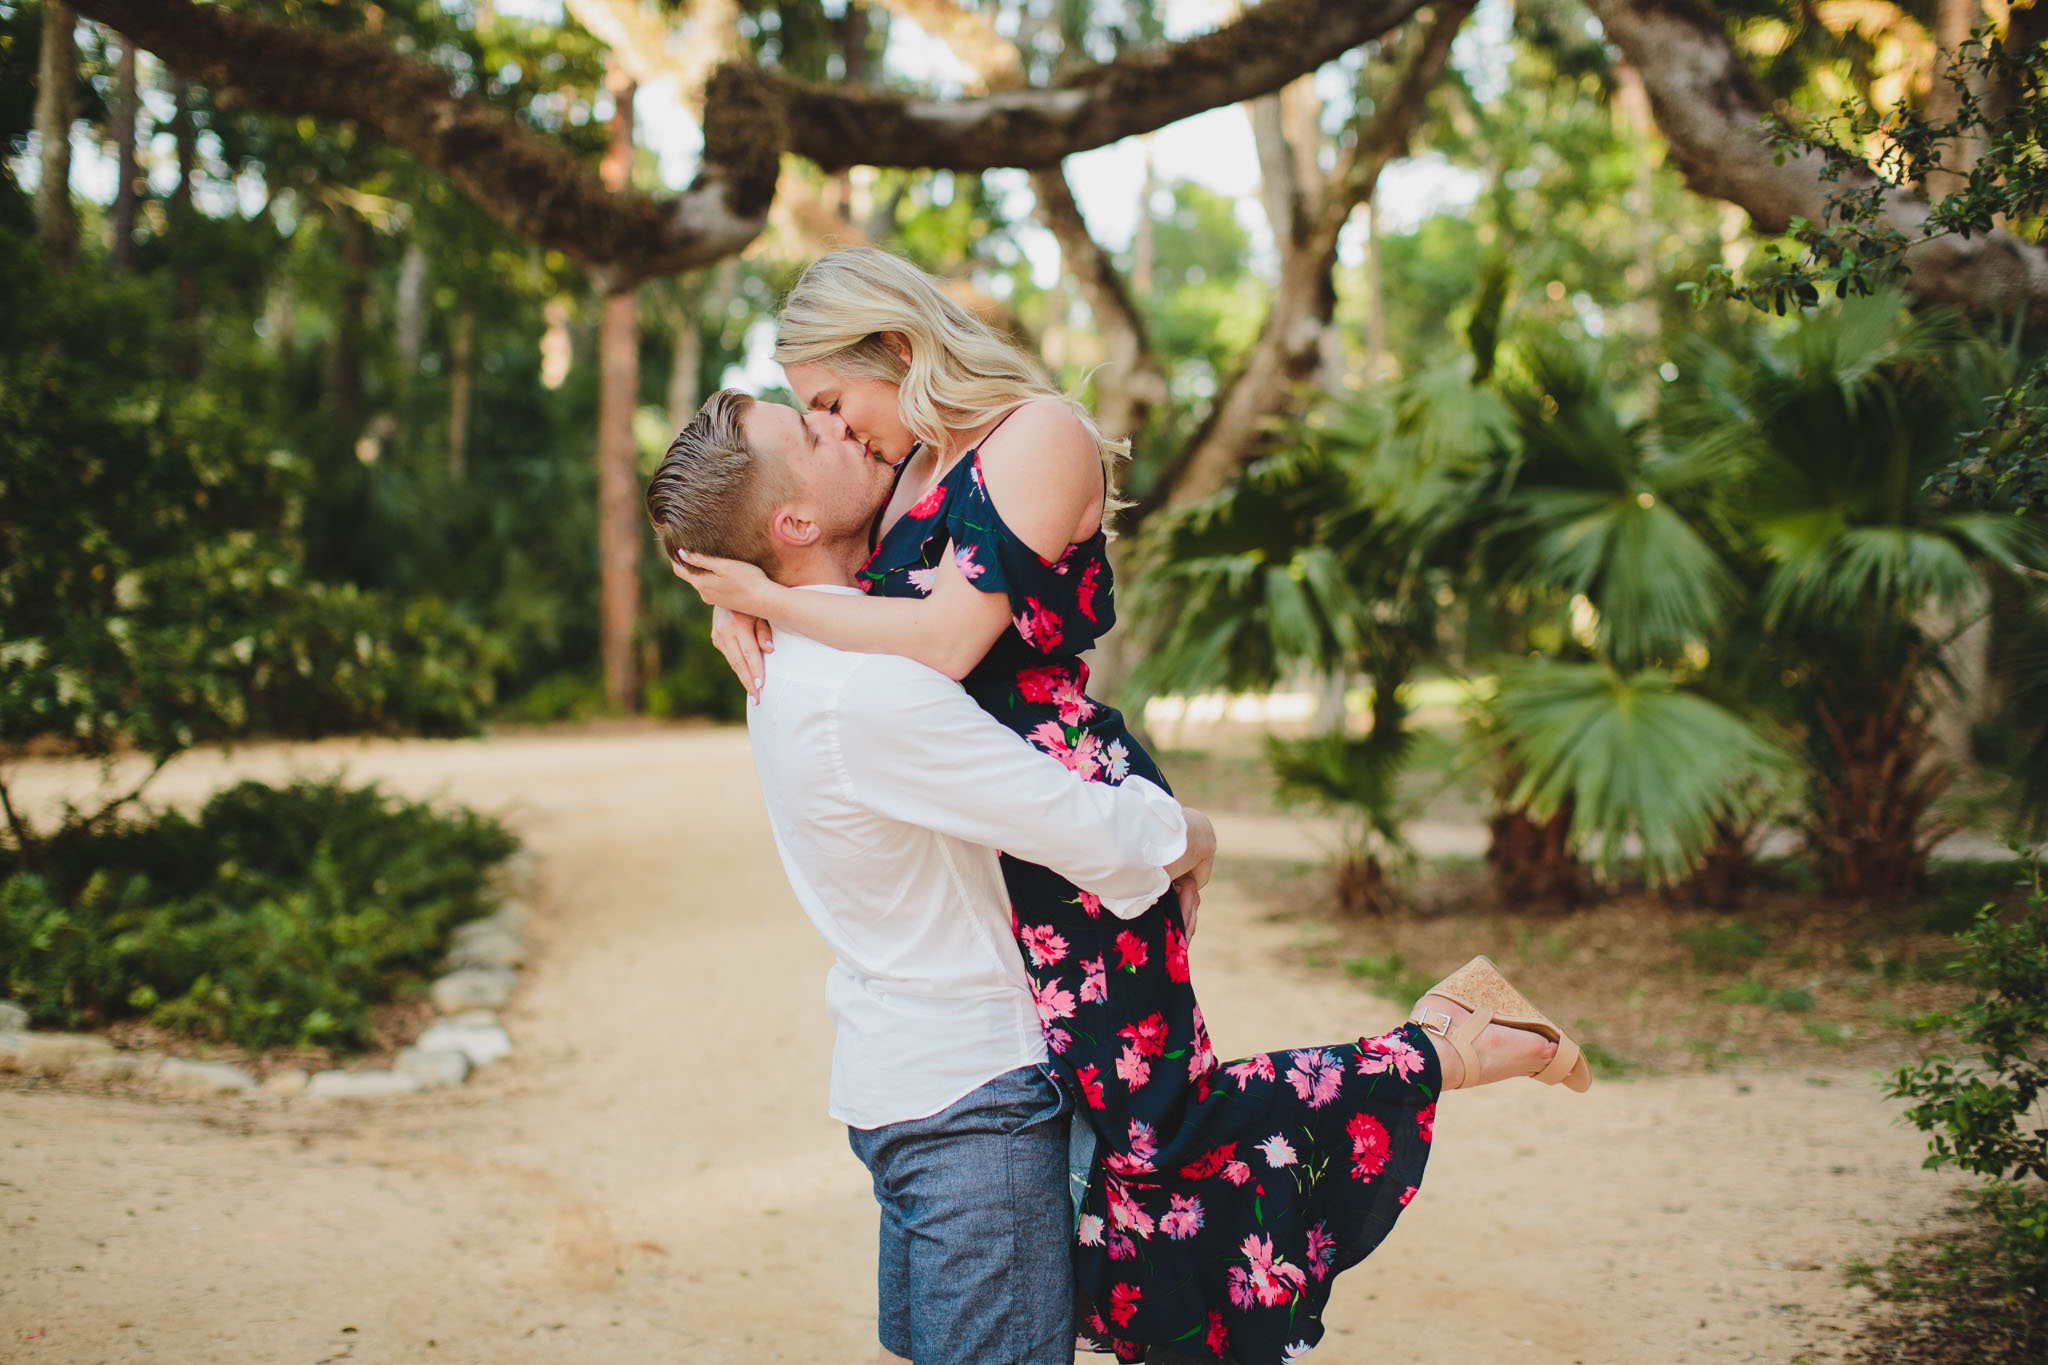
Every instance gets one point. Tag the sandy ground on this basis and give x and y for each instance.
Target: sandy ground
(652, 1178)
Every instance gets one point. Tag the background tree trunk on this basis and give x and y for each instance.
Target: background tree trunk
(461, 378)
(127, 173)
(618, 457)
(57, 77)
(345, 358)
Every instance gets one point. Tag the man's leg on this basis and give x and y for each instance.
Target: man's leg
(979, 1193)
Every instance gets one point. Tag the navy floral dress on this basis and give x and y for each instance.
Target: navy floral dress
(1224, 1198)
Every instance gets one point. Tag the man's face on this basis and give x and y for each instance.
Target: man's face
(830, 476)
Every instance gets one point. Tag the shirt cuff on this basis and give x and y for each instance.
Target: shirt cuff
(1165, 847)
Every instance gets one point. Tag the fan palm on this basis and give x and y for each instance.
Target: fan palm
(1824, 437)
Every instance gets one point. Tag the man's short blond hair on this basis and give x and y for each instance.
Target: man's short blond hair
(711, 494)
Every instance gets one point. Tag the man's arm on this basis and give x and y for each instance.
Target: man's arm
(916, 748)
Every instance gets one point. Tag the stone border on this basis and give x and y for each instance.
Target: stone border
(482, 967)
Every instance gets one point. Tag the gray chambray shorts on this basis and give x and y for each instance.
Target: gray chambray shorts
(976, 1227)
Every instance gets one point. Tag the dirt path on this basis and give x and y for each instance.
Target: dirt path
(652, 1177)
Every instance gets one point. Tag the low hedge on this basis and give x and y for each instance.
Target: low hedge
(280, 916)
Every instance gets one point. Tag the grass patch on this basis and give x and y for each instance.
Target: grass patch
(1389, 974)
(1724, 947)
(280, 916)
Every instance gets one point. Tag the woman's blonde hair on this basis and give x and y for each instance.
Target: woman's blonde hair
(961, 372)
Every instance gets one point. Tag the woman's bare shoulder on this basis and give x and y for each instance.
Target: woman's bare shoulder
(1044, 475)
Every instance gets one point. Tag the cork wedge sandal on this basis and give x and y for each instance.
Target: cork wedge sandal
(1479, 987)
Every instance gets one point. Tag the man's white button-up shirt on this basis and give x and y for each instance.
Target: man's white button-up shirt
(889, 792)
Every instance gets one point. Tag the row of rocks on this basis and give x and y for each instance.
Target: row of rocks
(482, 966)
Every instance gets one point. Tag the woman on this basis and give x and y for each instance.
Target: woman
(1225, 1197)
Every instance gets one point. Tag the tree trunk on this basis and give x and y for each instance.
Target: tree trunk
(1707, 104)
(57, 77)
(1869, 801)
(409, 330)
(684, 393)
(128, 182)
(1376, 357)
(1953, 20)
(1288, 351)
(618, 457)
(461, 378)
(351, 325)
(185, 291)
(1132, 381)
(1532, 861)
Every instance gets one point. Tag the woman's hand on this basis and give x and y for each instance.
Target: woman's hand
(743, 640)
(730, 583)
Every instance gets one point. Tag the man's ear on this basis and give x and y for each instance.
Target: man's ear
(790, 526)
(898, 344)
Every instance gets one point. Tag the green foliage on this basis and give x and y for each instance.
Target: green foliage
(278, 916)
(150, 571)
(1979, 1108)
(1854, 250)
(1636, 756)
(1723, 947)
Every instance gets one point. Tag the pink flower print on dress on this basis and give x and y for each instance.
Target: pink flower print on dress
(1125, 1212)
(1258, 1068)
(1370, 1146)
(1073, 702)
(1317, 1076)
(1092, 903)
(1425, 1122)
(1085, 594)
(1390, 1052)
(1094, 981)
(1236, 1172)
(1136, 1158)
(929, 504)
(1322, 1249)
(924, 580)
(1132, 1067)
(963, 559)
(1184, 1219)
(1044, 943)
(1037, 685)
(1123, 1302)
(1080, 757)
(1202, 1056)
(1117, 766)
(1293, 1351)
(1089, 1079)
(1176, 954)
(1148, 1035)
(1131, 949)
(1040, 626)
(1054, 1001)
(1218, 1336)
(1278, 1151)
(1059, 1040)
(1121, 1247)
(1210, 1162)
(1407, 1196)
(1089, 1233)
(1273, 1280)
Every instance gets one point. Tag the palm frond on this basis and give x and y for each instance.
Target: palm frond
(1639, 757)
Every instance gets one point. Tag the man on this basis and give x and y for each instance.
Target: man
(889, 792)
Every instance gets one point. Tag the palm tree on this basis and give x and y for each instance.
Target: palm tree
(1823, 438)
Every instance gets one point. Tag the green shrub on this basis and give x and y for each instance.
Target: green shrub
(1723, 947)
(1982, 1110)
(278, 916)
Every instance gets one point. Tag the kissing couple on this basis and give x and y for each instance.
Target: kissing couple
(906, 569)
